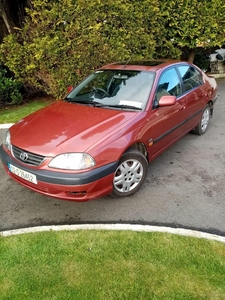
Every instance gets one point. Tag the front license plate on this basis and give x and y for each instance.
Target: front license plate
(23, 174)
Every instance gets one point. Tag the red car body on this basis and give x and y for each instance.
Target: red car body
(111, 136)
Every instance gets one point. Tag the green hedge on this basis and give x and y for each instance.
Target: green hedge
(62, 41)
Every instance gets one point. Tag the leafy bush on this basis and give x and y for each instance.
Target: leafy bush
(9, 89)
(192, 24)
(62, 41)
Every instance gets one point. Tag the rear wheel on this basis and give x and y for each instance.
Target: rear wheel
(203, 123)
(130, 174)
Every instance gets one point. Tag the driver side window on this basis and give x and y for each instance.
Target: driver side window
(169, 84)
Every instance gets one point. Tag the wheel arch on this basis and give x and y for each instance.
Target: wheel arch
(140, 147)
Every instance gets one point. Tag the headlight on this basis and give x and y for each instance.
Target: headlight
(72, 161)
(7, 140)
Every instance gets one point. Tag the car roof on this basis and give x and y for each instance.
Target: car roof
(141, 65)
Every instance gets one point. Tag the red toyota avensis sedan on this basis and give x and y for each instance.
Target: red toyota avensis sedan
(100, 139)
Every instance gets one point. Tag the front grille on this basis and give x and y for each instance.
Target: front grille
(27, 157)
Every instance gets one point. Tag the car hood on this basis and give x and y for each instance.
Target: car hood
(66, 127)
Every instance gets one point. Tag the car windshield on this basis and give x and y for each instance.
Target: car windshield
(115, 89)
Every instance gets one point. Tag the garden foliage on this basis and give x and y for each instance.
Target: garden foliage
(9, 89)
(191, 24)
(62, 41)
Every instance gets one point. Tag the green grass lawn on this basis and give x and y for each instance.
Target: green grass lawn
(109, 265)
(12, 114)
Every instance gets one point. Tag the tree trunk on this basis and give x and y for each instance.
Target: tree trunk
(6, 22)
(3, 14)
(191, 56)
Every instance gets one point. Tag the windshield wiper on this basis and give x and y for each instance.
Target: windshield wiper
(122, 106)
(98, 104)
(83, 101)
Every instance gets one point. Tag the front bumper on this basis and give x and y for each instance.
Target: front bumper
(80, 186)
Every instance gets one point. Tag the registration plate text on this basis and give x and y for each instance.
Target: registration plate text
(22, 174)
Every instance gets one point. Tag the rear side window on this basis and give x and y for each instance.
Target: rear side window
(191, 77)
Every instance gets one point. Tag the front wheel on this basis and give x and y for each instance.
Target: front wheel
(130, 174)
(203, 123)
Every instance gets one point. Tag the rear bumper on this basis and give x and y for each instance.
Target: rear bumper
(62, 185)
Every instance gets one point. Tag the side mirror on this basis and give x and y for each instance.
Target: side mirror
(167, 100)
(69, 88)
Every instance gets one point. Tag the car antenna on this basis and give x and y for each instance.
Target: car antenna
(128, 61)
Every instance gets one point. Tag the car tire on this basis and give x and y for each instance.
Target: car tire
(203, 123)
(130, 173)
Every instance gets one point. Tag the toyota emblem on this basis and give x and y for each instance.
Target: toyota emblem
(23, 156)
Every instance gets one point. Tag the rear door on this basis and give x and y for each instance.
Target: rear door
(193, 92)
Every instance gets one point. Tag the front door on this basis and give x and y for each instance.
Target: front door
(166, 124)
